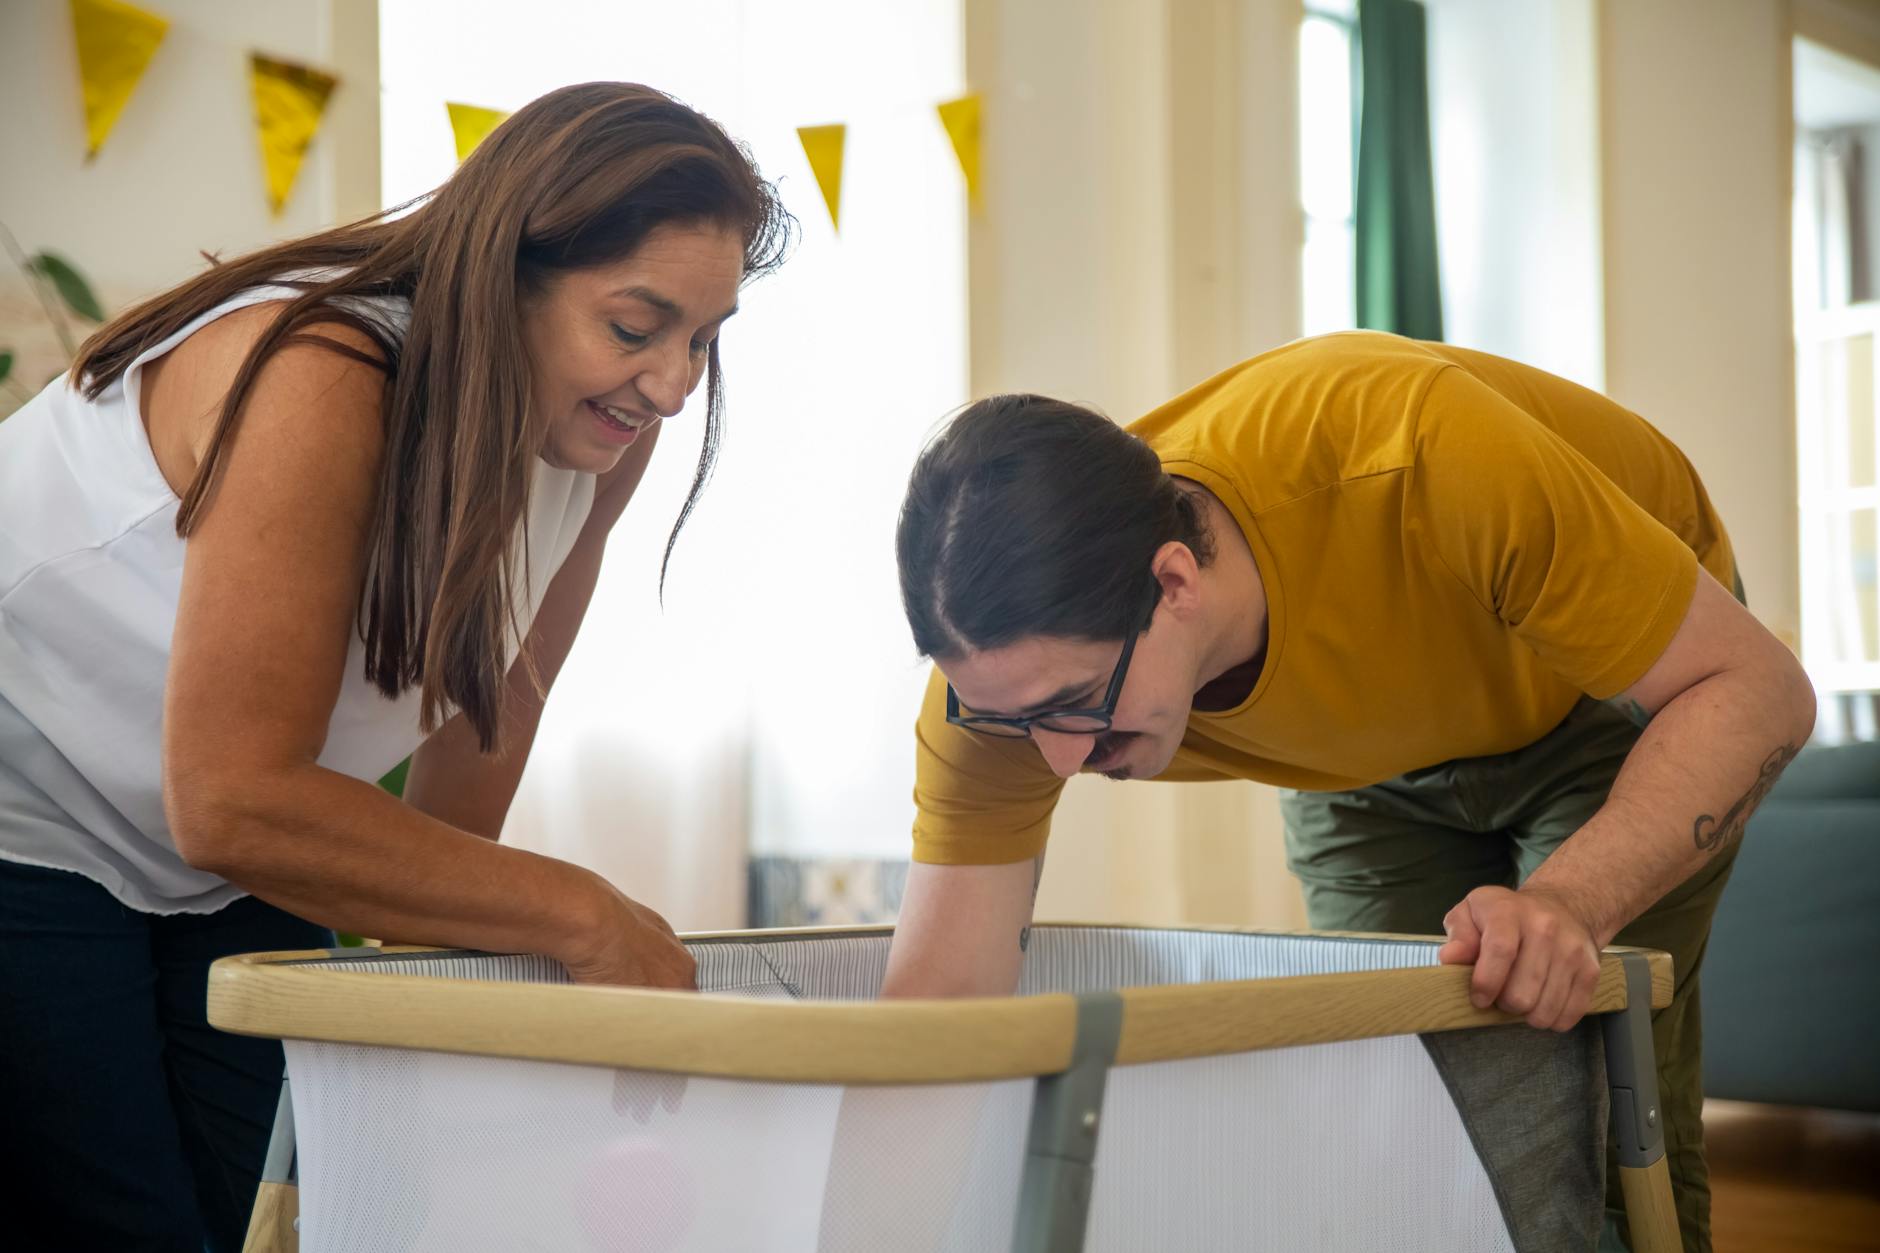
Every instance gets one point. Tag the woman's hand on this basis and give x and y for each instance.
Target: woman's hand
(624, 942)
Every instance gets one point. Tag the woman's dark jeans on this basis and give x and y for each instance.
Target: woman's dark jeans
(127, 1122)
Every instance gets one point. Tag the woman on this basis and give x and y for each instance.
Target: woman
(280, 528)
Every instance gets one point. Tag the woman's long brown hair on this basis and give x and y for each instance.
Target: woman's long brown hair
(575, 179)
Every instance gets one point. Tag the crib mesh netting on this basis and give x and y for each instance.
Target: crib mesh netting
(1482, 1139)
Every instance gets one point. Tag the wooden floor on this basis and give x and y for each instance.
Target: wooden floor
(1792, 1180)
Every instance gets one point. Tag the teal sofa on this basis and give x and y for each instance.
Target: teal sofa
(1791, 990)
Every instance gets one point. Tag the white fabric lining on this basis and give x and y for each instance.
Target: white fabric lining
(1343, 1146)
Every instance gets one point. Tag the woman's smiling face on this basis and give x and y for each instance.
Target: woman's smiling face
(615, 348)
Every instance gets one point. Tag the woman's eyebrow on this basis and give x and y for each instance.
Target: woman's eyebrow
(666, 306)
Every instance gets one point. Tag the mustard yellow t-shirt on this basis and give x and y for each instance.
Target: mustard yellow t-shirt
(1454, 547)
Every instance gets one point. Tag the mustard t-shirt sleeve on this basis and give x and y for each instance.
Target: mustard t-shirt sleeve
(978, 800)
(1580, 572)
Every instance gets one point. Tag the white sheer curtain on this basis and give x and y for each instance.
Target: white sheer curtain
(1823, 238)
(768, 706)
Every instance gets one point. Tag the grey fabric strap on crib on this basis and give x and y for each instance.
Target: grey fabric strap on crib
(1534, 1105)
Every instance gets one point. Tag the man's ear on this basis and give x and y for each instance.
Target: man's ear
(1176, 569)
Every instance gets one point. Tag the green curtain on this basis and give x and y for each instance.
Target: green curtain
(1396, 207)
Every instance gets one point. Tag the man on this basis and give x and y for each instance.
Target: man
(1472, 616)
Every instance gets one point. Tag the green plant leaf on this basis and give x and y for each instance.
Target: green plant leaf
(71, 286)
(394, 780)
(6, 364)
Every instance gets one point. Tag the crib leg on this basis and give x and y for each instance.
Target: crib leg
(1061, 1149)
(274, 1226)
(1650, 1215)
(1637, 1117)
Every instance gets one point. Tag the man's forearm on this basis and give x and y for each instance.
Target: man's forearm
(1702, 765)
(963, 930)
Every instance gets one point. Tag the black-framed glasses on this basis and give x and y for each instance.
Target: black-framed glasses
(1091, 721)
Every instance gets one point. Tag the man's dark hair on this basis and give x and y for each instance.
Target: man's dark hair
(1031, 516)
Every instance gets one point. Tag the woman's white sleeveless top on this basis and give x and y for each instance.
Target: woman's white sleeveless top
(90, 571)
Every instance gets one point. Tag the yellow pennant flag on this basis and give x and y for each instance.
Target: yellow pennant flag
(823, 146)
(115, 44)
(472, 125)
(290, 100)
(961, 118)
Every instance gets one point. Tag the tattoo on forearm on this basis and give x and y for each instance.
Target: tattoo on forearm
(1711, 834)
(1037, 877)
(1633, 711)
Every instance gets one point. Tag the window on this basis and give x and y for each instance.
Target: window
(1327, 164)
(1837, 365)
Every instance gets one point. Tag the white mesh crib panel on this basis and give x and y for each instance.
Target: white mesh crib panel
(435, 1153)
(1355, 1145)
(1328, 1147)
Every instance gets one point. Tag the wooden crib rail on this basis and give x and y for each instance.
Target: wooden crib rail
(1160, 1023)
(842, 1042)
(909, 1042)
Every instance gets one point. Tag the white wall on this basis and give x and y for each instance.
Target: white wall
(1142, 224)
(1514, 123)
(1070, 258)
(181, 172)
(1697, 169)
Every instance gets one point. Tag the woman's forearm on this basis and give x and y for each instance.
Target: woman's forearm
(342, 853)
(452, 780)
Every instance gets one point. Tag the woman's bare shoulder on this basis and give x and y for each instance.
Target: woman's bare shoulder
(184, 391)
(218, 350)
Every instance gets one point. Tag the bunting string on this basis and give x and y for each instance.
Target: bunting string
(117, 41)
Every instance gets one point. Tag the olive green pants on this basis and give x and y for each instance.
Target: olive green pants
(1399, 855)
